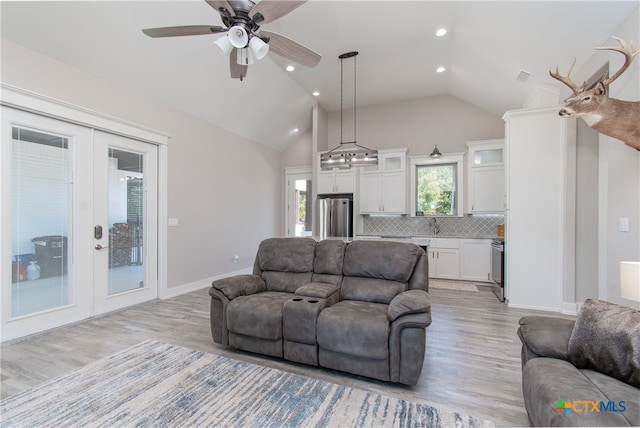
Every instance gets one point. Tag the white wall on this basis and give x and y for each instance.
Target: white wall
(619, 172)
(299, 153)
(224, 189)
(616, 187)
(418, 124)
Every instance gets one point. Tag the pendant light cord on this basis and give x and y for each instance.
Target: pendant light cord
(354, 99)
(341, 90)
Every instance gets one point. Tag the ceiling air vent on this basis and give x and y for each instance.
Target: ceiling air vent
(523, 76)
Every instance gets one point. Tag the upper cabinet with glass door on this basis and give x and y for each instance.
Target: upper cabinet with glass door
(485, 172)
(391, 160)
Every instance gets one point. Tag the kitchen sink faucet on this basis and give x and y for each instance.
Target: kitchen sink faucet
(433, 223)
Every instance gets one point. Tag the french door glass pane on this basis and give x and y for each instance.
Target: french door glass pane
(126, 221)
(40, 206)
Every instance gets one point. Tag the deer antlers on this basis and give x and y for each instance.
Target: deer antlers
(567, 80)
(628, 58)
(629, 54)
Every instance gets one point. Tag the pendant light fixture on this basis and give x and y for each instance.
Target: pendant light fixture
(349, 153)
(436, 153)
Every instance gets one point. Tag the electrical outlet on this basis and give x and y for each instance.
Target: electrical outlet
(173, 222)
(623, 224)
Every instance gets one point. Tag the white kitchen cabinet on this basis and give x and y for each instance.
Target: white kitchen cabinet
(336, 181)
(383, 186)
(444, 258)
(486, 189)
(485, 172)
(476, 260)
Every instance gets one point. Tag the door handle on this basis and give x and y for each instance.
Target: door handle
(100, 247)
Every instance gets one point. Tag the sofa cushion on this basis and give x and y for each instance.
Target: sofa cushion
(329, 257)
(355, 328)
(393, 261)
(550, 383)
(370, 289)
(606, 338)
(287, 282)
(286, 254)
(327, 278)
(258, 315)
(619, 393)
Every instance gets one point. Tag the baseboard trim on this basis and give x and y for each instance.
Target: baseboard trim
(533, 308)
(569, 308)
(199, 285)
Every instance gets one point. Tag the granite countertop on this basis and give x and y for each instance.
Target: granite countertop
(417, 237)
(419, 240)
(423, 240)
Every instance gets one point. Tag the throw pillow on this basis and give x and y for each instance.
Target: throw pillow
(606, 338)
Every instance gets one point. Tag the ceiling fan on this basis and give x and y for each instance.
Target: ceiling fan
(245, 41)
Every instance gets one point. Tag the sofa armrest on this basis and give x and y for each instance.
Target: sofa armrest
(409, 302)
(407, 343)
(545, 337)
(319, 290)
(239, 285)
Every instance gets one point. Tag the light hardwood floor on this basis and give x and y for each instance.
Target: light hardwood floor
(472, 362)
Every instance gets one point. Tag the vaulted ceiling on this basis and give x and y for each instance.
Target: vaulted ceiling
(486, 47)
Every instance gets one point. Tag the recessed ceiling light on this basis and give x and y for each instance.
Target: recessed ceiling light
(295, 130)
(440, 69)
(290, 68)
(316, 93)
(441, 32)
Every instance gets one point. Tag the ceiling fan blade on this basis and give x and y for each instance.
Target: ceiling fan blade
(274, 9)
(294, 51)
(237, 71)
(185, 30)
(221, 4)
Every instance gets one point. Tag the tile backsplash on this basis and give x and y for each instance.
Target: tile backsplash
(469, 226)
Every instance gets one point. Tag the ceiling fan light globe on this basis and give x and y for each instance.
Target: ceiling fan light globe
(238, 37)
(244, 56)
(224, 45)
(258, 47)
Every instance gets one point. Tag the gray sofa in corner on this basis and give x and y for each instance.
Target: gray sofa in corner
(359, 307)
(584, 372)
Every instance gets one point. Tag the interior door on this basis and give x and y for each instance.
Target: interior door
(125, 222)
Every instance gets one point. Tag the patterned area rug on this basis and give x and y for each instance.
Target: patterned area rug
(155, 384)
(452, 285)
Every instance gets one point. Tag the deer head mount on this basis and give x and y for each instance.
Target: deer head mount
(609, 116)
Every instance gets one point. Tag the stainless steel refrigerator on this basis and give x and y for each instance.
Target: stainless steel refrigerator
(335, 215)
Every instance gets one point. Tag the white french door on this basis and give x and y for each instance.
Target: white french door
(125, 222)
(78, 233)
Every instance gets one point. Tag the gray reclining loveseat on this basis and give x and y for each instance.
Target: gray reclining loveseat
(359, 307)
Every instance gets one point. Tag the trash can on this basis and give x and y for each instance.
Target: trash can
(51, 253)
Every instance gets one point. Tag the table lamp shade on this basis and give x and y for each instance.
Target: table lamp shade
(630, 280)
